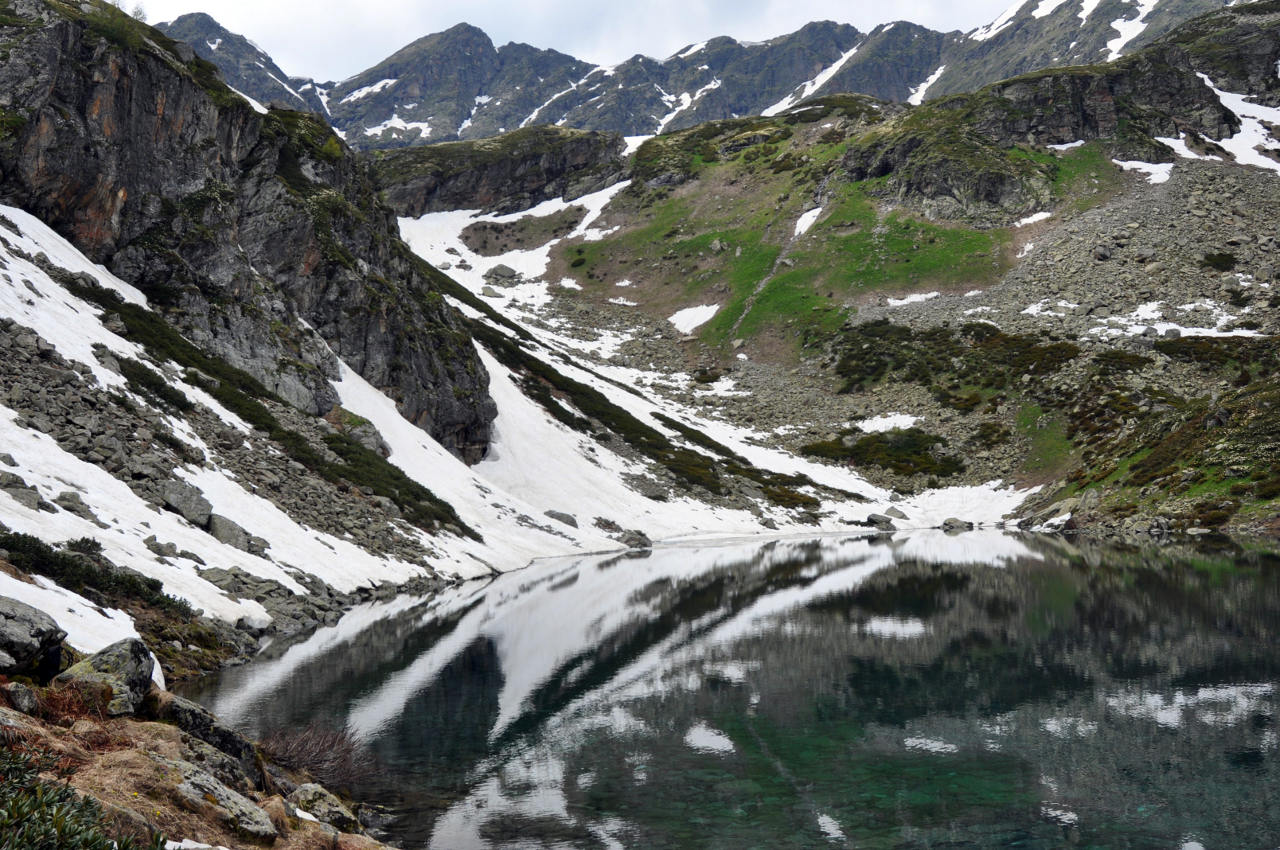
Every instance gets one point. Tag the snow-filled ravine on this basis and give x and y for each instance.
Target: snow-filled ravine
(779, 692)
(536, 465)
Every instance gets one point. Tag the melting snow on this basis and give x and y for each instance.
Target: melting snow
(623, 302)
(1253, 130)
(1068, 146)
(257, 107)
(887, 422)
(831, 828)
(1129, 28)
(1046, 8)
(1157, 172)
(811, 87)
(686, 100)
(395, 122)
(917, 93)
(1086, 9)
(215, 44)
(692, 49)
(1032, 219)
(633, 144)
(930, 745)
(895, 627)
(368, 90)
(807, 220)
(914, 298)
(984, 33)
(690, 318)
(1026, 249)
(702, 737)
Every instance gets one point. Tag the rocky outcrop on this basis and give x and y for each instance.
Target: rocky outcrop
(317, 801)
(125, 666)
(29, 638)
(505, 174)
(259, 236)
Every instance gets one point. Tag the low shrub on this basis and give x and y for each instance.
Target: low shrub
(333, 757)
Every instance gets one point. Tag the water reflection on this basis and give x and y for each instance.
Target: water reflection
(979, 690)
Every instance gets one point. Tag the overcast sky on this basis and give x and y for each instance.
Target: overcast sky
(338, 38)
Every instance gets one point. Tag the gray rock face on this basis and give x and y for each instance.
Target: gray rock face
(504, 175)
(315, 800)
(29, 638)
(261, 236)
(229, 532)
(561, 516)
(126, 666)
(200, 723)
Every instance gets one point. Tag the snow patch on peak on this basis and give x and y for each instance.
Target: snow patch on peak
(691, 50)
(1046, 8)
(1086, 9)
(999, 24)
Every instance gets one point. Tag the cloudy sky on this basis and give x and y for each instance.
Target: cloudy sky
(338, 38)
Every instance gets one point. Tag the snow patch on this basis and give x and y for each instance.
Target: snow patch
(1068, 146)
(887, 422)
(807, 220)
(811, 87)
(215, 44)
(1046, 8)
(691, 50)
(623, 302)
(1086, 9)
(1000, 23)
(1254, 118)
(367, 90)
(257, 107)
(914, 298)
(917, 94)
(633, 144)
(691, 318)
(895, 627)
(1157, 172)
(1129, 28)
(1032, 219)
(930, 745)
(705, 739)
(395, 122)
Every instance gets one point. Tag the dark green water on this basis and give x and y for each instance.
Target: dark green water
(924, 691)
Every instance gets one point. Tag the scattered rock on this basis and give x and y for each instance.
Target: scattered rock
(635, 539)
(200, 791)
(881, 522)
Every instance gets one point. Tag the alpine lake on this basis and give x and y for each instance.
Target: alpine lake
(915, 690)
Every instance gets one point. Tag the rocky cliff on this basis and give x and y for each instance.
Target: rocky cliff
(504, 174)
(260, 235)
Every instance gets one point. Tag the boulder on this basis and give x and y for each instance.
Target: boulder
(881, 522)
(314, 799)
(187, 501)
(229, 532)
(29, 638)
(125, 666)
(22, 698)
(201, 791)
(953, 524)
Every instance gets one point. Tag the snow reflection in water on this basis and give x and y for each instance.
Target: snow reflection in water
(982, 689)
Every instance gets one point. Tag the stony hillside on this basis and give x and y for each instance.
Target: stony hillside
(458, 85)
(984, 267)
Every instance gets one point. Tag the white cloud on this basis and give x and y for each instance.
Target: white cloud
(352, 35)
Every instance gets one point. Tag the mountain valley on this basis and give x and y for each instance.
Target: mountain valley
(272, 354)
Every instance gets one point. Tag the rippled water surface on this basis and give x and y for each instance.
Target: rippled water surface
(915, 691)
